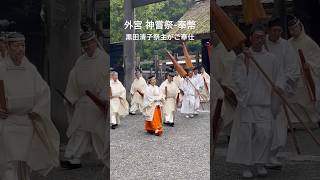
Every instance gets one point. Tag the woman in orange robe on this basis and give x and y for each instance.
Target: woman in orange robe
(153, 100)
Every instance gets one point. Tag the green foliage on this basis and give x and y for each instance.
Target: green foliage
(116, 20)
(171, 10)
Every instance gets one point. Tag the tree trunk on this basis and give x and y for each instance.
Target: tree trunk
(62, 50)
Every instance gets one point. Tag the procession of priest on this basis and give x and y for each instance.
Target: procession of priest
(254, 116)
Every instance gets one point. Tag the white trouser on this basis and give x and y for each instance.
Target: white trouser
(115, 118)
(17, 170)
(82, 142)
(134, 107)
(169, 117)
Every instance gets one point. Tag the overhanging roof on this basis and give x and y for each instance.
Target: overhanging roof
(200, 13)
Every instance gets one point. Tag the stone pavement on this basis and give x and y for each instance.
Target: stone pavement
(182, 152)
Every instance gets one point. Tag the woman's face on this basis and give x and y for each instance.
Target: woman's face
(153, 81)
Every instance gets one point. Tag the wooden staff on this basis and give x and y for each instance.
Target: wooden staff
(229, 95)
(64, 97)
(216, 125)
(141, 94)
(307, 76)
(234, 39)
(3, 101)
(252, 11)
(186, 56)
(292, 131)
(178, 99)
(177, 66)
(166, 92)
(205, 84)
(101, 104)
(284, 100)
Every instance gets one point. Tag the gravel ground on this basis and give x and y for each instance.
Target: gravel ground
(91, 170)
(296, 167)
(182, 152)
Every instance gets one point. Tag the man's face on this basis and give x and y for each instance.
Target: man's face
(138, 75)
(170, 78)
(258, 39)
(90, 46)
(295, 30)
(195, 71)
(17, 50)
(275, 33)
(115, 77)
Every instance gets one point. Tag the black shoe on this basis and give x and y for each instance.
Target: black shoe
(289, 130)
(68, 165)
(166, 123)
(132, 113)
(278, 167)
(113, 126)
(171, 124)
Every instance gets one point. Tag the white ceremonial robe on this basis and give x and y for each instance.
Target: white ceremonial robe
(205, 93)
(86, 121)
(34, 142)
(119, 106)
(178, 80)
(200, 85)
(251, 134)
(137, 100)
(288, 75)
(190, 86)
(302, 100)
(169, 106)
(152, 98)
(223, 62)
(218, 93)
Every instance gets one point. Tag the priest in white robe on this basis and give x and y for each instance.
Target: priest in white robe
(289, 74)
(87, 123)
(251, 134)
(205, 92)
(29, 141)
(137, 91)
(200, 84)
(311, 52)
(152, 110)
(119, 106)
(190, 89)
(222, 65)
(170, 91)
(178, 80)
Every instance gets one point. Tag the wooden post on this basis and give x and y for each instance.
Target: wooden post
(138, 62)
(62, 25)
(197, 58)
(129, 52)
